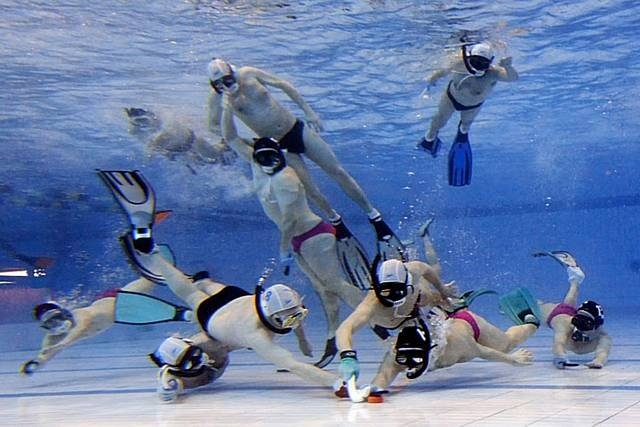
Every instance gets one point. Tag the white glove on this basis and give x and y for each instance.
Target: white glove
(169, 387)
(575, 274)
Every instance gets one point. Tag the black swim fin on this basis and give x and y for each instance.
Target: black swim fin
(387, 243)
(352, 256)
(135, 308)
(460, 161)
(140, 261)
(136, 197)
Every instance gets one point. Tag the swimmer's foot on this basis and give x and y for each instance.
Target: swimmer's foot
(424, 228)
(432, 147)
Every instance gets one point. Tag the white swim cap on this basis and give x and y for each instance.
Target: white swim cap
(392, 271)
(482, 49)
(218, 68)
(282, 306)
(392, 282)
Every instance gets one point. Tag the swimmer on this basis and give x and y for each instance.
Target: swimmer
(245, 89)
(440, 339)
(473, 77)
(576, 328)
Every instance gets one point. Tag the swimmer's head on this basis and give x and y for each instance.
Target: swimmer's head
(282, 306)
(588, 318)
(478, 58)
(268, 155)
(391, 282)
(56, 319)
(222, 76)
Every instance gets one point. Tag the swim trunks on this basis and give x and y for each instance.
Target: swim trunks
(293, 141)
(561, 308)
(322, 227)
(467, 317)
(208, 307)
(458, 106)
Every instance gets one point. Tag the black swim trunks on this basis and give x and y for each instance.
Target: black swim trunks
(456, 104)
(293, 141)
(208, 307)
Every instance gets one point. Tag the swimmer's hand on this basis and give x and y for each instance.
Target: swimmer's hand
(522, 357)
(505, 62)
(594, 365)
(451, 289)
(313, 120)
(286, 259)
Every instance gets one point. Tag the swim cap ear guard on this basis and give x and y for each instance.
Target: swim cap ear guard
(268, 155)
(477, 58)
(391, 281)
(56, 319)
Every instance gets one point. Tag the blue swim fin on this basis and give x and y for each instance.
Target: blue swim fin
(460, 161)
(520, 306)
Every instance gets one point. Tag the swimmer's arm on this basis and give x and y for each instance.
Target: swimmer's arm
(264, 347)
(561, 333)
(437, 75)
(505, 71)
(356, 320)
(271, 80)
(230, 135)
(214, 108)
(303, 343)
(602, 351)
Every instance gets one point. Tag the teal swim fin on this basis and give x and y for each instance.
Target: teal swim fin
(563, 257)
(460, 161)
(135, 195)
(520, 306)
(140, 260)
(134, 308)
(468, 297)
(353, 257)
(387, 243)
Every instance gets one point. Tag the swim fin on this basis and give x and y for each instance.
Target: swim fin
(563, 257)
(388, 244)
(468, 297)
(520, 306)
(352, 256)
(140, 261)
(460, 161)
(134, 308)
(135, 195)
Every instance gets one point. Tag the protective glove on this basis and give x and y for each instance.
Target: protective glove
(286, 259)
(575, 274)
(349, 365)
(563, 362)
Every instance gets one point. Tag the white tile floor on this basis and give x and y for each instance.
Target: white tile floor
(111, 383)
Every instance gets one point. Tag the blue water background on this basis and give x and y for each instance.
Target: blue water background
(556, 153)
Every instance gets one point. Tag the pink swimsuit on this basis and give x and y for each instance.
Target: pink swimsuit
(561, 308)
(322, 227)
(467, 317)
